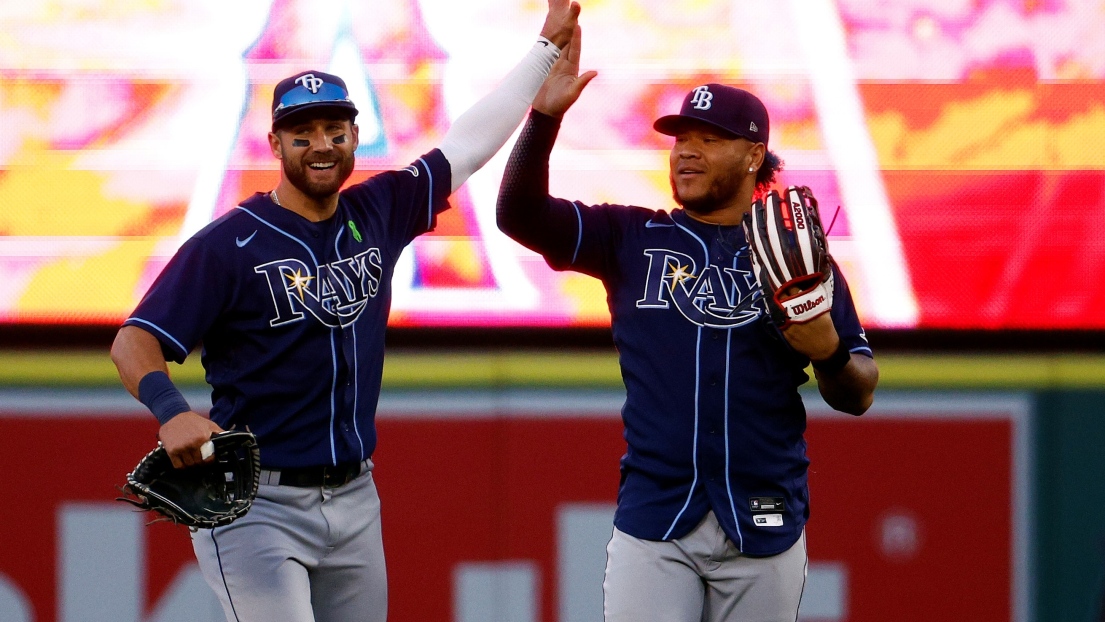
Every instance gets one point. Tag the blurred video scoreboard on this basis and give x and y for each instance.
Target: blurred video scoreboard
(960, 140)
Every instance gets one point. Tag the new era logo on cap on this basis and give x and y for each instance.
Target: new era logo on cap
(736, 111)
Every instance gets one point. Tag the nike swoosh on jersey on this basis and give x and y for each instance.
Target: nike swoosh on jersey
(241, 243)
(652, 225)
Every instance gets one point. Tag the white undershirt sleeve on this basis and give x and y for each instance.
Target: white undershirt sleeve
(483, 129)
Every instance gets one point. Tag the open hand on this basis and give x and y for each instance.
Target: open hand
(564, 84)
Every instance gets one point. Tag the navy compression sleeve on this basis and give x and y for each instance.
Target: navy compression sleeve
(525, 211)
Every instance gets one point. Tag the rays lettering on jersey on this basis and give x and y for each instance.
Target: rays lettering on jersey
(716, 297)
(334, 293)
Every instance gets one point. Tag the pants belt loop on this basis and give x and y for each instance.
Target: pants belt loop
(269, 478)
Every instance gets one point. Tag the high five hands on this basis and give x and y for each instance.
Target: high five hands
(564, 84)
(560, 22)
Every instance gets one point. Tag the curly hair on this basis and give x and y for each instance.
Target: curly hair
(765, 176)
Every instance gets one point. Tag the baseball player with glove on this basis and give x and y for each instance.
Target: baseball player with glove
(289, 294)
(717, 308)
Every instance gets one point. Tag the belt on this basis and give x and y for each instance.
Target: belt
(328, 476)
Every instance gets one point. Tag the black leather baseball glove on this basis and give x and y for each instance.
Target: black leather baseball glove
(790, 255)
(202, 496)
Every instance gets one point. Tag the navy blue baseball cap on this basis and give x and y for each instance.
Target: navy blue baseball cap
(309, 90)
(736, 111)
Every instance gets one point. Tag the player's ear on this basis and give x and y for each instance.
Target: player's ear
(274, 145)
(755, 156)
(356, 131)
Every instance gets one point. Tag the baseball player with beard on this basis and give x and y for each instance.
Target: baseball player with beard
(713, 499)
(289, 295)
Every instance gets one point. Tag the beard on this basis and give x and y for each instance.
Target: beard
(298, 172)
(721, 191)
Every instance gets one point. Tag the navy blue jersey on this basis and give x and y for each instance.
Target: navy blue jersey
(713, 418)
(291, 313)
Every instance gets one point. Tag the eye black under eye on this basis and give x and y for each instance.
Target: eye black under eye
(339, 139)
(300, 142)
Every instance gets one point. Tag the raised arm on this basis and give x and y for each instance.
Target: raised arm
(483, 129)
(524, 210)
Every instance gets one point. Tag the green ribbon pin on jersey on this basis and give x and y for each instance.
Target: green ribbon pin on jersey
(356, 234)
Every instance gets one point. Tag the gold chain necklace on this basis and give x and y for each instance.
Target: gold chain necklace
(275, 199)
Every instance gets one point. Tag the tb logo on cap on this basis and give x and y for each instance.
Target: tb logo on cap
(310, 82)
(702, 98)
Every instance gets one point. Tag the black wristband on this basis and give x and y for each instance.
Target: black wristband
(837, 361)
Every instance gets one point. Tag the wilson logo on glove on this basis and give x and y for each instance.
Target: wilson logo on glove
(806, 307)
(790, 255)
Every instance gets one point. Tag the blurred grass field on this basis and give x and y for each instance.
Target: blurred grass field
(453, 369)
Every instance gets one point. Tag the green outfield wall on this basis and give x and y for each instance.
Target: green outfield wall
(409, 369)
(1070, 505)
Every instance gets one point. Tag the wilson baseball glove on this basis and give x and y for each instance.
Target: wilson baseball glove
(790, 255)
(201, 496)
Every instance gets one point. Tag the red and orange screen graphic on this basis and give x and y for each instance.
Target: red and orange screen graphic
(955, 145)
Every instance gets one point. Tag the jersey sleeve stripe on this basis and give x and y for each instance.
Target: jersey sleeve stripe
(430, 200)
(579, 235)
(180, 346)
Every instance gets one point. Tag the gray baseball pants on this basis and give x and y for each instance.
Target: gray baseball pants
(300, 555)
(700, 577)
